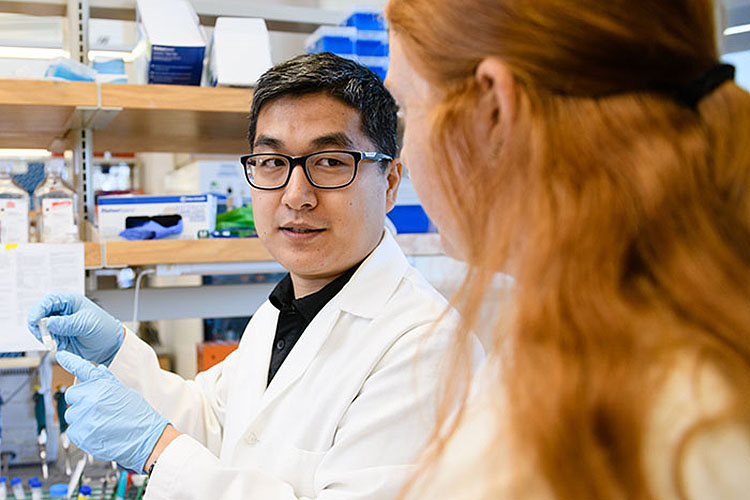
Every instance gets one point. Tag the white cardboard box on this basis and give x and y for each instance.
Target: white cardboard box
(171, 41)
(240, 52)
(198, 213)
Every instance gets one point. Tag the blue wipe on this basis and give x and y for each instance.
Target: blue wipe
(109, 66)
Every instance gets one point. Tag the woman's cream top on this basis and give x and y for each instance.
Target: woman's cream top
(716, 463)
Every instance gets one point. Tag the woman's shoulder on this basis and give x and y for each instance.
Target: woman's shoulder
(477, 461)
(691, 443)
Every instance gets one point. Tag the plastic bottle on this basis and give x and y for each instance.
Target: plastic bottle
(84, 493)
(56, 206)
(17, 486)
(3, 488)
(14, 208)
(36, 488)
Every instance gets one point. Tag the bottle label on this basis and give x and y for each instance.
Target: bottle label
(14, 221)
(58, 221)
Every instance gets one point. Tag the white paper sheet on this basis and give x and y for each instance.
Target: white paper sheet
(27, 273)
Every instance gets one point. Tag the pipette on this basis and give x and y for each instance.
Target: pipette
(61, 407)
(41, 428)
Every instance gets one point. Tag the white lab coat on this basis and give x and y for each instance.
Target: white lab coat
(344, 417)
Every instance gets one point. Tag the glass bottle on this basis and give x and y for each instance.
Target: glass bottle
(56, 206)
(14, 208)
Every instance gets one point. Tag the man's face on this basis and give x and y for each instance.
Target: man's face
(318, 234)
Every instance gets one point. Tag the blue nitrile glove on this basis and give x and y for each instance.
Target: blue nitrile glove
(79, 326)
(151, 230)
(107, 419)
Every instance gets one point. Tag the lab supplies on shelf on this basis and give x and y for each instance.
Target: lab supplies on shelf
(195, 212)
(14, 208)
(240, 52)
(171, 52)
(56, 206)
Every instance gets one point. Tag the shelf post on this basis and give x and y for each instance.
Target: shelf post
(78, 46)
(78, 30)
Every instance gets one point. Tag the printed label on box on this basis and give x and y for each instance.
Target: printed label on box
(176, 65)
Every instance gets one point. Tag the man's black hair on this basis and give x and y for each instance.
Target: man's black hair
(340, 78)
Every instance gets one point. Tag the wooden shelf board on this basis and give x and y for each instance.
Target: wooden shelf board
(153, 252)
(174, 131)
(175, 118)
(172, 118)
(144, 253)
(92, 257)
(149, 253)
(36, 114)
(176, 98)
(44, 93)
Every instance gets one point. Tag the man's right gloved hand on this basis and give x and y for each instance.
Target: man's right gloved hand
(79, 326)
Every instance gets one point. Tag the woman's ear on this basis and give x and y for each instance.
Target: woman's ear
(497, 98)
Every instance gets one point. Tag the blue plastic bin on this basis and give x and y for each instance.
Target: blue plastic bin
(372, 43)
(366, 20)
(411, 219)
(378, 64)
(337, 39)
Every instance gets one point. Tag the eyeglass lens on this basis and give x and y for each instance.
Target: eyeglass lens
(327, 169)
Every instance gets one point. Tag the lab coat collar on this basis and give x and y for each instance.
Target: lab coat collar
(376, 279)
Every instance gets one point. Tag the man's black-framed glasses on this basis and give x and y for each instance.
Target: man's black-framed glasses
(323, 169)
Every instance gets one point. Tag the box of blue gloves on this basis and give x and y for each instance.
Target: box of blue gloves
(174, 217)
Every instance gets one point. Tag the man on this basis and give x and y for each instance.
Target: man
(331, 393)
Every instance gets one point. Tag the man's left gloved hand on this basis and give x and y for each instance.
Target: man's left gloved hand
(106, 418)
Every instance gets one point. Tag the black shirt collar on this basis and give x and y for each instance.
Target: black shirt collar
(282, 296)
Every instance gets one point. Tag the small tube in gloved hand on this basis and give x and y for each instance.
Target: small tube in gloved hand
(47, 339)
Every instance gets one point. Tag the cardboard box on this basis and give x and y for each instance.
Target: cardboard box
(198, 213)
(171, 42)
(240, 52)
(213, 352)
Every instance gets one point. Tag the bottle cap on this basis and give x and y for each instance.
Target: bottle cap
(59, 490)
(15, 481)
(3, 479)
(34, 482)
(85, 490)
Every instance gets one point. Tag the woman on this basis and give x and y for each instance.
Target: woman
(597, 152)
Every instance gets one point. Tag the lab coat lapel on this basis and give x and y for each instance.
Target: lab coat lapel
(304, 352)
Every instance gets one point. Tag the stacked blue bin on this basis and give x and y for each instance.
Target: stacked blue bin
(361, 36)
(371, 45)
(341, 40)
